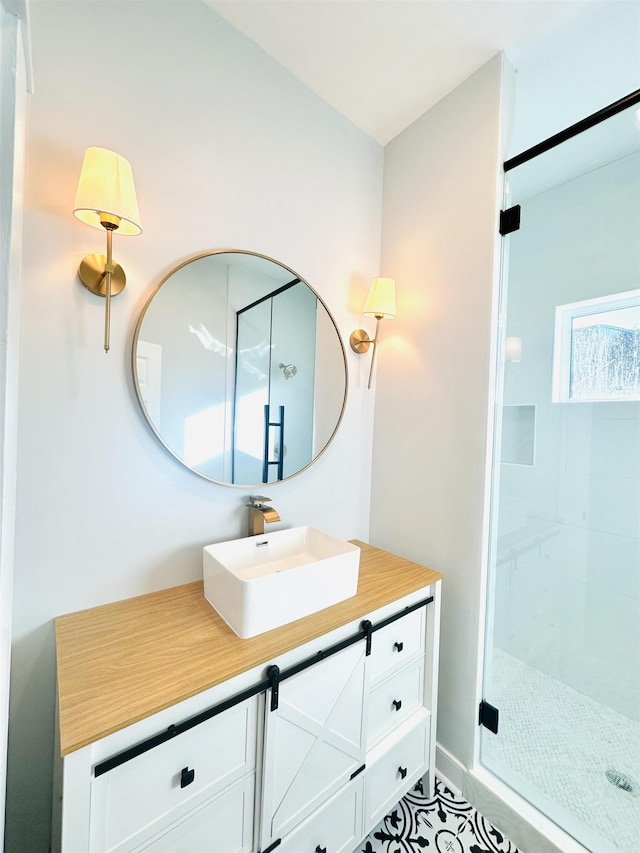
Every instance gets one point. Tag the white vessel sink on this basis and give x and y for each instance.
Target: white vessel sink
(262, 582)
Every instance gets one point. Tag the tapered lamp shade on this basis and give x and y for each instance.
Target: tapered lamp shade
(381, 301)
(106, 186)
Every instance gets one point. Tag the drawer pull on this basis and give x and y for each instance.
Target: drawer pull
(321, 849)
(397, 704)
(186, 777)
(402, 771)
(398, 646)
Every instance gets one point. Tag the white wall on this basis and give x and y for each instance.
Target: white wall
(590, 61)
(228, 150)
(439, 236)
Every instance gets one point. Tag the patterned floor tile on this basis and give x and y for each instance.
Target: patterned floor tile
(445, 824)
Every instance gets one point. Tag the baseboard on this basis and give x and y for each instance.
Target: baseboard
(450, 770)
(530, 830)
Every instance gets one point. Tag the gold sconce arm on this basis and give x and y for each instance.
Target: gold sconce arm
(101, 276)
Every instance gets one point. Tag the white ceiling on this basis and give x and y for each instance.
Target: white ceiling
(383, 63)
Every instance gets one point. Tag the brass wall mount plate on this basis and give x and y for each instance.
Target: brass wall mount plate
(91, 274)
(360, 341)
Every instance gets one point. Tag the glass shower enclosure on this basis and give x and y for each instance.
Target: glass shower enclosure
(562, 661)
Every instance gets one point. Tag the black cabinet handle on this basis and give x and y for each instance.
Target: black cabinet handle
(402, 771)
(397, 704)
(186, 777)
(321, 849)
(398, 646)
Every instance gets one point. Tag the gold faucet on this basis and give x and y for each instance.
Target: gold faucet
(259, 513)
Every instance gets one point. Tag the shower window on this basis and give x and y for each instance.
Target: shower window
(597, 349)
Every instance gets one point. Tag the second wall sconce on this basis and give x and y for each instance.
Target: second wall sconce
(513, 349)
(381, 304)
(106, 198)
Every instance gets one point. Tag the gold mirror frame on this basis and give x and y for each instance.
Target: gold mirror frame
(339, 354)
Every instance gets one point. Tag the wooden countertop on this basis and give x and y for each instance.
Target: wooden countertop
(122, 662)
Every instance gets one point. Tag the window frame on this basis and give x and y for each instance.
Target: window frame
(564, 316)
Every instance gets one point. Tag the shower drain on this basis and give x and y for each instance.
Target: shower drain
(620, 780)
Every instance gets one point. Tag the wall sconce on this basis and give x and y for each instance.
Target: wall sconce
(513, 349)
(106, 198)
(381, 304)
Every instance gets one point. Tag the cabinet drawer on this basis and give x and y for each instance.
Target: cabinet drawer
(335, 827)
(397, 643)
(394, 700)
(391, 776)
(141, 796)
(222, 825)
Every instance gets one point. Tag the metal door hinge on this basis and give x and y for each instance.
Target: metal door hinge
(509, 220)
(488, 717)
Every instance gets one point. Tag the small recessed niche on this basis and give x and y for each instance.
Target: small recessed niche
(518, 434)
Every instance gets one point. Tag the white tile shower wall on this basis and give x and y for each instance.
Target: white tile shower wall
(569, 544)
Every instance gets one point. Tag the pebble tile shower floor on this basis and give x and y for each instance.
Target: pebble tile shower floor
(444, 823)
(562, 743)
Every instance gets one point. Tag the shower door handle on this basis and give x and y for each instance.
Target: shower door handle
(279, 462)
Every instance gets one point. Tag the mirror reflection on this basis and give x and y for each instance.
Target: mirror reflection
(239, 368)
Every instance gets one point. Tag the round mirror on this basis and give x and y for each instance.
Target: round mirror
(239, 368)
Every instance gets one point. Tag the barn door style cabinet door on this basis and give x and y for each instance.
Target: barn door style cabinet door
(304, 755)
(315, 741)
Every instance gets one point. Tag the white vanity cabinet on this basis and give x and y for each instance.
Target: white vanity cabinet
(303, 748)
